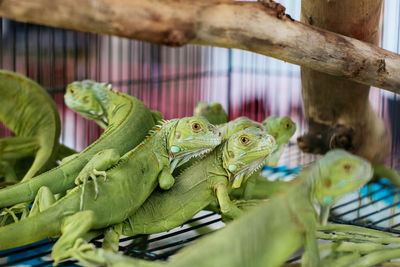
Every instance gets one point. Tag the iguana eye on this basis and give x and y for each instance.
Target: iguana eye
(244, 140)
(287, 126)
(196, 126)
(72, 91)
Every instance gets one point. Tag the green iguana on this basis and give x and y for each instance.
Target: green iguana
(270, 233)
(90, 99)
(129, 121)
(213, 112)
(257, 186)
(31, 114)
(207, 180)
(127, 182)
(282, 129)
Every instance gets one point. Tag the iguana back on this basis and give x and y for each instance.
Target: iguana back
(164, 210)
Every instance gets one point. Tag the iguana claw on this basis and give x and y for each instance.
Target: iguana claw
(98, 173)
(8, 212)
(21, 208)
(84, 178)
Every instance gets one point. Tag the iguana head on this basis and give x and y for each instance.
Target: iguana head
(237, 125)
(89, 98)
(213, 112)
(281, 128)
(336, 174)
(244, 152)
(191, 137)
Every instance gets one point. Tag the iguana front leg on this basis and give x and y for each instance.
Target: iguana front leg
(310, 256)
(96, 167)
(227, 208)
(73, 227)
(165, 178)
(44, 199)
(275, 156)
(111, 237)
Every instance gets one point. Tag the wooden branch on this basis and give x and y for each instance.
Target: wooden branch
(342, 116)
(259, 27)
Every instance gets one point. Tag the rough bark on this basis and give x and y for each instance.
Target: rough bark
(338, 111)
(261, 27)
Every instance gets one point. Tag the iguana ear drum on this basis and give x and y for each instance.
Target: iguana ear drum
(232, 167)
(175, 149)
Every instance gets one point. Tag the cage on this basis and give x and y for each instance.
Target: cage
(173, 80)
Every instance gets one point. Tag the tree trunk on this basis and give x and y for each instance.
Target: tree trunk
(338, 111)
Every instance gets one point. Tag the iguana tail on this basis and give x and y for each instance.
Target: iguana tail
(381, 171)
(26, 191)
(30, 230)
